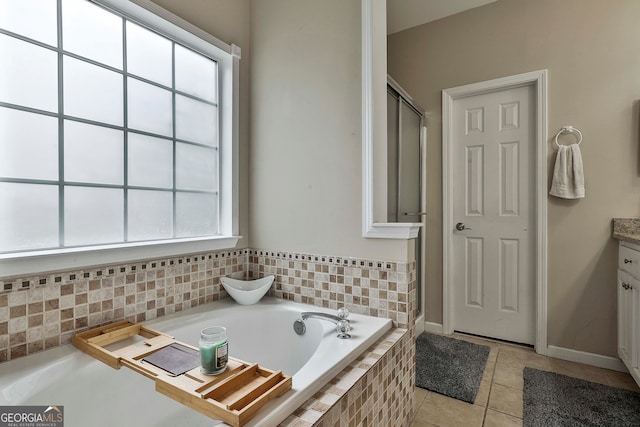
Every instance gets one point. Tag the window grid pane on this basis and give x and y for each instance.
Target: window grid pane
(150, 175)
(93, 215)
(28, 145)
(93, 154)
(149, 55)
(30, 77)
(91, 31)
(28, 216)
(92, 92)
(35, 19)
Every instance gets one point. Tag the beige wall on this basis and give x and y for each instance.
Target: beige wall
(592, 51)
(228, 20)
(300, 122)
(306, 153)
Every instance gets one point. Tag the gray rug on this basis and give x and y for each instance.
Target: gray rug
(552, 399)
(449, 366)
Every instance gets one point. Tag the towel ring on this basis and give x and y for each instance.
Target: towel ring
(568, 129)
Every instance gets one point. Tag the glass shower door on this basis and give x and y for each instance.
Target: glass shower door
(404, 171)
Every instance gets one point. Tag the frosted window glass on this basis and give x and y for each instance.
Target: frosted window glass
(150, 161)
(196, 214)
(92, 92)
(91, 31)
(93, 215)
(28, 145)
(150, 215)
(196, 168)
(148, 54)
(93, 154)
(196, 74)
(28, 216)
(150, 108)
(36, 19)
(29, 74)
(196, 121)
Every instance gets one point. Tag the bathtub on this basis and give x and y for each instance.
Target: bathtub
(94, 394)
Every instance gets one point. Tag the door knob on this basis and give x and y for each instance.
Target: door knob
(460, 226)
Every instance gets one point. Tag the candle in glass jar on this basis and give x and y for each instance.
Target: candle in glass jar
(214, 350)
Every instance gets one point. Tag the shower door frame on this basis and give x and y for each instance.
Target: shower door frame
(404, 97)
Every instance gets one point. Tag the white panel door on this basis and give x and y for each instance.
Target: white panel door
(494, 214)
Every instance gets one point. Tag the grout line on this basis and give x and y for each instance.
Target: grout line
(484, 416)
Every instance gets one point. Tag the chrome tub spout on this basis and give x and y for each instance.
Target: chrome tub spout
(343, 326)
(314, 315)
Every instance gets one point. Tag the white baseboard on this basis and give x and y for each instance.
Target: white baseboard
(419, 325)
(592, 359)
(434, 328)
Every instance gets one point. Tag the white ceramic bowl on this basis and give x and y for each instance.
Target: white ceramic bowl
(247, 292)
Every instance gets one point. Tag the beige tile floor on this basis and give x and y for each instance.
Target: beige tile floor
(499, 400)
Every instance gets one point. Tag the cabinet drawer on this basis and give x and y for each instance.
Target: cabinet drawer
(629, 261)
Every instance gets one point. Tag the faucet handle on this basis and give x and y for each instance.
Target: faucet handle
(343, 327)
(343, 313)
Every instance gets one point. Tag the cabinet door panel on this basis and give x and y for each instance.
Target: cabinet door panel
(634, 329)
(625, 319)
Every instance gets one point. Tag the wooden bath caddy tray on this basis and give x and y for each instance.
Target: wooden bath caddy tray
(233, 396)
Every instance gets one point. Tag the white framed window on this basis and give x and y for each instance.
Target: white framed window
(117, 135)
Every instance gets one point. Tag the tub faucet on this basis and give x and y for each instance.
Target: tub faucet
(343, 313)
(343, 326)
(315, 315)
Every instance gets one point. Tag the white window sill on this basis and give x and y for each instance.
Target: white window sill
(393, 230)
(26, 263)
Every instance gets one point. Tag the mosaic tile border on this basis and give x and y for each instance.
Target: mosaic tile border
(9, 284)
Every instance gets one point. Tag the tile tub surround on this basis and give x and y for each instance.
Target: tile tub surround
(375, 288)
(41, 312)
(45, 311)
(376, 389)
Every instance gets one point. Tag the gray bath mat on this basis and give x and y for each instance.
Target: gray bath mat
(449, 366)
(552, 399)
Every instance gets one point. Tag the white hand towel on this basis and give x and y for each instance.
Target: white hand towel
(568, 174)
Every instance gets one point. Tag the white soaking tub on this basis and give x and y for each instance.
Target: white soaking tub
(93, 394)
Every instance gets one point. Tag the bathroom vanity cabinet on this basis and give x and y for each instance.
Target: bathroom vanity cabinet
(629, 307)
